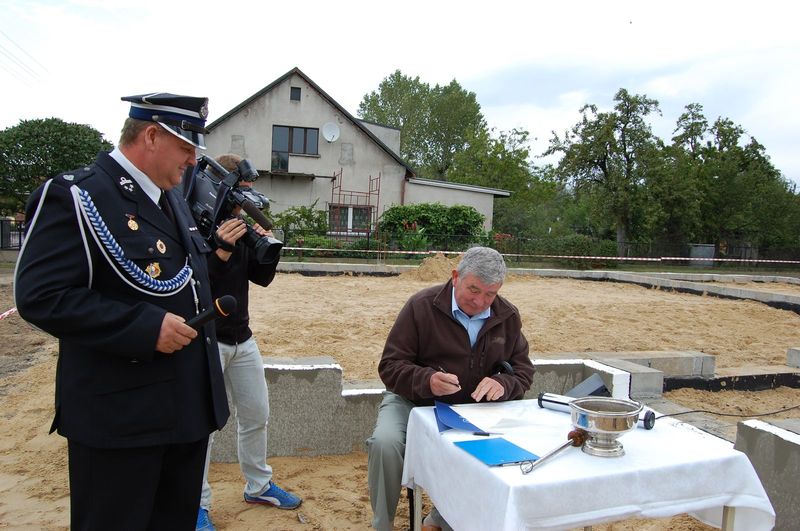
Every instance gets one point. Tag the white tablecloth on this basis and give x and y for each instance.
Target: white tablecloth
(672, 469)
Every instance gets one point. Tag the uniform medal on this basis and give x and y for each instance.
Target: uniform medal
(154, 270)
(132, 224)
(161, 246)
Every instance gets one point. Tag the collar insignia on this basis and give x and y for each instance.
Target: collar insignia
(126, 183)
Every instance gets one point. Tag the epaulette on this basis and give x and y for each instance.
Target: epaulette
(75, 176)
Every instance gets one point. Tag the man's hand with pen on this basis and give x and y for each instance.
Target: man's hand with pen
(444, 383)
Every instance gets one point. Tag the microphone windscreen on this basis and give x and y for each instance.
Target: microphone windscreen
(256, 214)
(226, 305)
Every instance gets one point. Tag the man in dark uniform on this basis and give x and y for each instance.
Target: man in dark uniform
(112, 265)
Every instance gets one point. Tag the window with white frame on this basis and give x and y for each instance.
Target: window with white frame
(348, 218)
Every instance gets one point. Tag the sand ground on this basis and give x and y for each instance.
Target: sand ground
(348, 317)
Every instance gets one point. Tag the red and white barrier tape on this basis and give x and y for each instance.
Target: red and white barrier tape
(7, 313)
(556, 256)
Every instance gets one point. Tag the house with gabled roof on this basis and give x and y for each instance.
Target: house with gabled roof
(309, 150)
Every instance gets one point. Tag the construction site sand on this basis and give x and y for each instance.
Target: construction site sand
(347, 318)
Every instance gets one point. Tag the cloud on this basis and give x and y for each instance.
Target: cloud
(531, 64)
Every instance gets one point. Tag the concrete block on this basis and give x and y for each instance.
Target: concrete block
(311, 411)
(775, 455)
(560, 375)
(671, 362)
(793, 357)
(645, 382)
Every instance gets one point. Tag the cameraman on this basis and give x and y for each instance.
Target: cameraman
(231, 267)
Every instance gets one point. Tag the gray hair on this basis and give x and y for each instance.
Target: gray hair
(483, 262)
(131, 129)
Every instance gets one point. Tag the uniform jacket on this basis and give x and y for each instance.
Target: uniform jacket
(113, 389)
(427, 338)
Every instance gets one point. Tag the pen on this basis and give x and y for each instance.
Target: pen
(484, 433)
(445, 372)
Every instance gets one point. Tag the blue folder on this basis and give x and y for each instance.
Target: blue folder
(447, 418)
(496, 451)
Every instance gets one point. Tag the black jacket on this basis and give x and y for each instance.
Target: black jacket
(233, 278)
(113, 390)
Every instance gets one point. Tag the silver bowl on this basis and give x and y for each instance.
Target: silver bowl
(604, 419)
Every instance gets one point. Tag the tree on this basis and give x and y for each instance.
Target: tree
(436, 122)
(607, 154)
(502, 162)
(35, 150)
(675, 185)
(747, 200)
(401, 102)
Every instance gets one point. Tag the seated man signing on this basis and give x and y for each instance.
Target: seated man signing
(445, 345)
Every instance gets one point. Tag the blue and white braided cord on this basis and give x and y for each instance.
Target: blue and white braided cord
(102, 232)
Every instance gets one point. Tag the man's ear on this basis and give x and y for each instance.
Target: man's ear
(150, 134)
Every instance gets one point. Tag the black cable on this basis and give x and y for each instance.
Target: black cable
(728, 414)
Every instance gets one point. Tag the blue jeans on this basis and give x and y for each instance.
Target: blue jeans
(246, 386)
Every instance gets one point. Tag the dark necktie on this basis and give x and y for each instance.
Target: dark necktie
(165, 208)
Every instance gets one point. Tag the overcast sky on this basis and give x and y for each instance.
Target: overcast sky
(532, 65)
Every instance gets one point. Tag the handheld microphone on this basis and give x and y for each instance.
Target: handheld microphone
(222, 307)
(647, 418)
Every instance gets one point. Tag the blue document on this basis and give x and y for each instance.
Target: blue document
(496, 451)
(447, 418)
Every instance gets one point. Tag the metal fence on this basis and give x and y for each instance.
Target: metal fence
(574, 250)
(10, 234)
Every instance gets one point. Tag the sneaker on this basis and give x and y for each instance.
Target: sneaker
(204, 521)
(275, 496)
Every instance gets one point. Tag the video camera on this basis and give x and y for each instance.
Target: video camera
(212, 192)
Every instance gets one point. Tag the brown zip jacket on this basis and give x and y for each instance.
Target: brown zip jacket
(427, 338)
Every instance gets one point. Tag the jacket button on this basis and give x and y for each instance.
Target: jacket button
(150, 250)
(208, 340)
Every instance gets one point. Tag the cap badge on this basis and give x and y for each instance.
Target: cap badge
(161, 246)
(204, 110)
(69, 178)
(154, 270)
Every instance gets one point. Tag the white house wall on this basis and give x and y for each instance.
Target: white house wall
(388, 135)
(248, 133)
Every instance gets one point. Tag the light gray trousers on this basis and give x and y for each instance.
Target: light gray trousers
(386, 449)
(246, 386)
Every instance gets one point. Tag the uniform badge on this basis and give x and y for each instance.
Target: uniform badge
(161, 246)
(154, 270)
(132, 224)
(69, 177)
(126, 183)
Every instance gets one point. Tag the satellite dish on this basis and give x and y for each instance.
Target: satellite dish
(330, 132)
